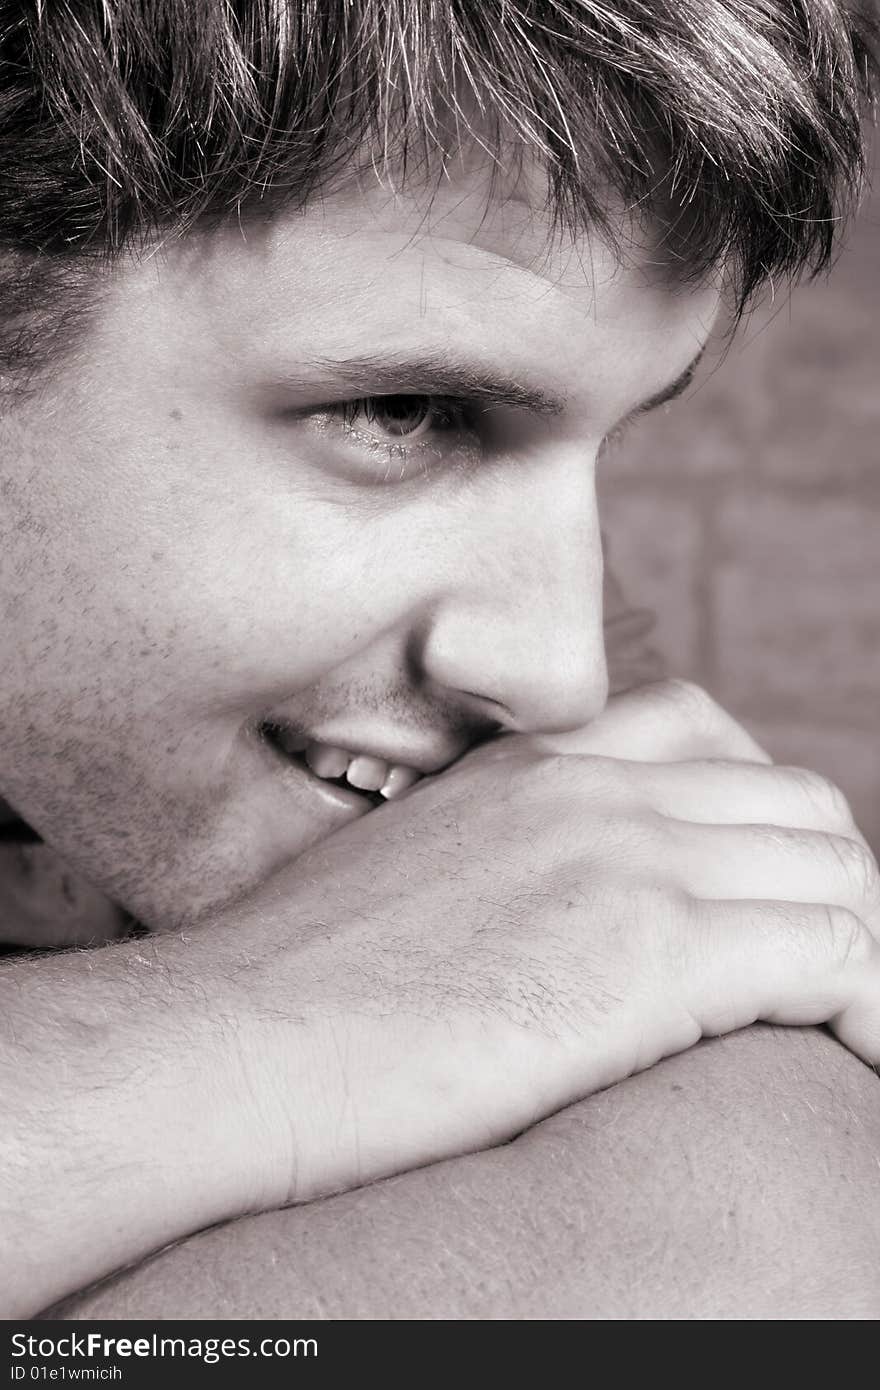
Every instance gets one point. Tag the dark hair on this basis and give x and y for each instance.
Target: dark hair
(122, 117)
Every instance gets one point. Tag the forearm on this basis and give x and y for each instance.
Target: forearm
(416, 986)
(735, 1180)
(117, 1081)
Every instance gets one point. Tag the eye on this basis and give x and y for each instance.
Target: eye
(398, 438)
(402, 419)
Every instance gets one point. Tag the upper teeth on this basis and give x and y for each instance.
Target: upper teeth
(362, 771)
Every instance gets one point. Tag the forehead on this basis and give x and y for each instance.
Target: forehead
(472, 261)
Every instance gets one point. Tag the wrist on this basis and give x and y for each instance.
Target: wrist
(128, 1124)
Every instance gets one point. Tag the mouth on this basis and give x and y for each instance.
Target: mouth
(372, 779)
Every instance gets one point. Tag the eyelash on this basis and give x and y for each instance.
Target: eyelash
(452, 416)
(444, 412)
(448, 405)
(448, 414)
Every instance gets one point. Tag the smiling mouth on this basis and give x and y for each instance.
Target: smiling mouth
(375, 779)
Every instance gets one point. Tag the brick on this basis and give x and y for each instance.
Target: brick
(654, 547)
(822, 406)
(707, 434)
(749, 517)
(792, 536)
(796, 608)
(797, 397)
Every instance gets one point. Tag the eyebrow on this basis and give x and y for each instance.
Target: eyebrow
(441, 375)
(438, 375)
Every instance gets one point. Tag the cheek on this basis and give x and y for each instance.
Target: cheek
(308, 587)
(189, 579)
(266, 578)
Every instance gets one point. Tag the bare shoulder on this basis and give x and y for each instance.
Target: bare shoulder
(740, 1179)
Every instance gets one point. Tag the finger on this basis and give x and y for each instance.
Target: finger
(858, 1027)
(666, 721)
(789, 963)
(715, 792)
(773, 864)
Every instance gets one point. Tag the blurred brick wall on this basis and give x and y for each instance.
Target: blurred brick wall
(748, 519)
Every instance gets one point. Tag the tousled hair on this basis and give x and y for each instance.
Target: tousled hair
(739, 122)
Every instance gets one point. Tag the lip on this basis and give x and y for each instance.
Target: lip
(424, 760)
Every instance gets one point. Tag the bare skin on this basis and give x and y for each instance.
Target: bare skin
(738, 1180)
(233, 539)
(224, 545)
(307, 1058)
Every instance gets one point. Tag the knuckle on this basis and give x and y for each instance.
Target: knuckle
(822, 793)
(675, 929)
(611, 777)
(585, 776)
(860, 867)
(686, 718)
(691, 702)
(556, 774)
(848, 938)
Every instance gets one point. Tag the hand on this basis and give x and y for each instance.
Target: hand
(663, 721)
(531, 926)
(519, 931)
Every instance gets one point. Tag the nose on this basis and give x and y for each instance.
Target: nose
(517, 636)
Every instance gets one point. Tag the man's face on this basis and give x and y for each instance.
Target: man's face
(218, 544)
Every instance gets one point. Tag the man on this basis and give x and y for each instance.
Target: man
(318, 325)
